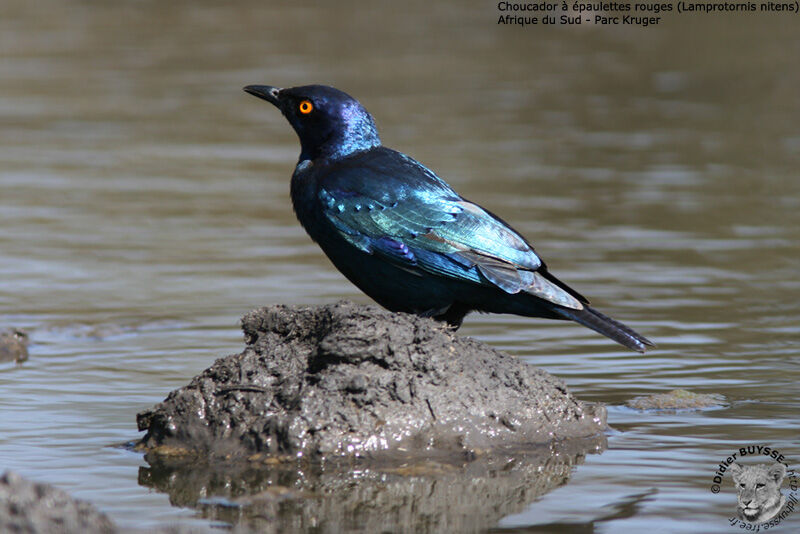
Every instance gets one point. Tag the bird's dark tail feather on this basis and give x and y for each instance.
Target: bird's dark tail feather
(607, 326)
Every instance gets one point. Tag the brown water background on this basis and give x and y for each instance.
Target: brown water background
(144, 208)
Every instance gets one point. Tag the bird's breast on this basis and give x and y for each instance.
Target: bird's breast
(305, 201)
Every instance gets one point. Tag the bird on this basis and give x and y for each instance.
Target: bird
(403, 236)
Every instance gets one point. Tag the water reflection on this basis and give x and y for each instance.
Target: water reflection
(445, 495)
(625, 508)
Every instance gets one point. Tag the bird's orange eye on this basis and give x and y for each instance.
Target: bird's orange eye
(305, 107)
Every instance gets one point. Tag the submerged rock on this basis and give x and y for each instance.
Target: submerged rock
(677, 399)
(344, 379)
(14, 345)
(32, 508)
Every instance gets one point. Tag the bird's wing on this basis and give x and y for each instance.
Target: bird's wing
(402, 211)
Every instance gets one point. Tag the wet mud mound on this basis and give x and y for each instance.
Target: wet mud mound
(351, 380)
(33, 508)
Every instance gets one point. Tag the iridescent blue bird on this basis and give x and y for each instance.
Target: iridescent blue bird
(403, 235)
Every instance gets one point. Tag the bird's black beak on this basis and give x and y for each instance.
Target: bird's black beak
(266, 92)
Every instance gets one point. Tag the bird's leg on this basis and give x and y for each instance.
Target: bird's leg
(444, 314)
(435, 313)
(453, 315)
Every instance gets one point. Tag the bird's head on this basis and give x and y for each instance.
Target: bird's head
(330, 123)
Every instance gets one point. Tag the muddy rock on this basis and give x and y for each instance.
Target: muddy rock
(350, 380)
(13, 345)
(32, 508)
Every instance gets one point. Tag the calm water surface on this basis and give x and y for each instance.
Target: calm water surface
(144, 208)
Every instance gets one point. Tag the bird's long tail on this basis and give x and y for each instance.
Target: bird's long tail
(607, 326)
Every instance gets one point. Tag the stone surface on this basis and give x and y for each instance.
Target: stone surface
(350, 380)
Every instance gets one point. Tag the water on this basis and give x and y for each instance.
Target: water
(144, 209)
